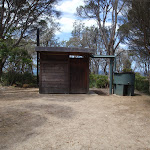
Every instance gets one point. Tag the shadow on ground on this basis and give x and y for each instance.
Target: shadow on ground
(137, 94)
(17, 125)
(101, 91)
(59, 111)
(15, 94)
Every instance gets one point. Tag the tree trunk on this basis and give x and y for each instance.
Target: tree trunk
(96, 67)
(105, 71)
(149, 82)
(2, 62)
(1, 70)
(149, 72)
(149, 76)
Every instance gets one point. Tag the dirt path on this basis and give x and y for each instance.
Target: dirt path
(30, 121)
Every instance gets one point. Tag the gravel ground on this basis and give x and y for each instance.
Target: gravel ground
(94, 121)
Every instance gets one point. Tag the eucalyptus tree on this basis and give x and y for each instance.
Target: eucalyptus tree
(105, 12)
(48, 38)
(139, 21)
(19, 15)
(17, 18)
(137, 30)
(88, 37)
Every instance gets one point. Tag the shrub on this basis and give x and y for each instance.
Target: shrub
(17, 79)
(127, 70)
(99, 81)
(93, 79)
(141, 83)
(102, 81)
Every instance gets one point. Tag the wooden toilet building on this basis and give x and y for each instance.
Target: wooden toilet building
(63, 70)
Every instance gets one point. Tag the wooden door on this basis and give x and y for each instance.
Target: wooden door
(79, 69)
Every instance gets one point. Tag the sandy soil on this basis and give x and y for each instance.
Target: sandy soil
(32, 121)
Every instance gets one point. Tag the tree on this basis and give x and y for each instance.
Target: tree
(137, 27)
(137, 30)
(139, 22)
(103, 11)
(4, 52)
(88, 37)
(47, 37)
(19, 61)
(17, 19)
(20, 15)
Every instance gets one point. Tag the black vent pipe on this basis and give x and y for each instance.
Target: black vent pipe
(38, 44)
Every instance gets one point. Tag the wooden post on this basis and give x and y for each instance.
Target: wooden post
(111, 76)
(38, 44)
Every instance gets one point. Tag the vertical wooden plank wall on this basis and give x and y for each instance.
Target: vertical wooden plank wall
(54, 73)
(61, 74)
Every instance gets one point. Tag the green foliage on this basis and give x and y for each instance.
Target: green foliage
(141, 83)
(102, 81)
(19, 60)
(136, 28)
(93, 79)
(18, 66)
(85, 37)
(127, 70)
(3, 49)
(18, 79)
(127, 66)
(101, 12)
(19, 17)
(99, 81)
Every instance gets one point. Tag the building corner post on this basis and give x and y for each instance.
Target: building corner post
(111, 76)
(38, 44)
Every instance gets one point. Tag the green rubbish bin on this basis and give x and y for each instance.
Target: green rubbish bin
(124, 83)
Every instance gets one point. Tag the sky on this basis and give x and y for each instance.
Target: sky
(68, 17)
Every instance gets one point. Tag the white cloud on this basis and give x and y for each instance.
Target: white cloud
(68, 9)
(89, 23)
(66, 25)
(69, 6)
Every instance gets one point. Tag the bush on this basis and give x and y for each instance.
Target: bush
(141, 83)
(93, 79)
(127, 70)
(102, 81)
(18, 79)
(99, 81)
